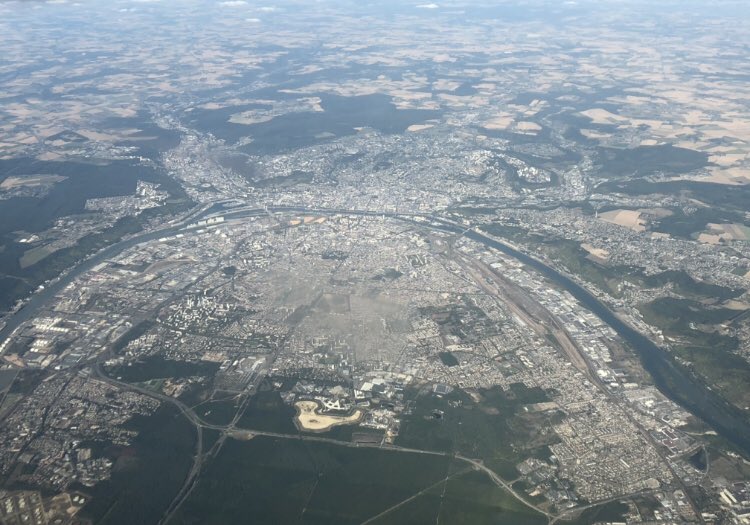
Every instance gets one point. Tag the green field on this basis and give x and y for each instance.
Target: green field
(496, 429)
(267, 411)
(473, 498)
(606, 513)
(269, 480)
(156, 367)
(33, 256)
(469, 497)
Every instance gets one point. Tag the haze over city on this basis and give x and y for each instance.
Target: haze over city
(334, 262)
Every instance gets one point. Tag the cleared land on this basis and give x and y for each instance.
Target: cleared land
(34, 180)
(310, 419)
(628, 218)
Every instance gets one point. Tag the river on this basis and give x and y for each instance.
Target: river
(675, 382)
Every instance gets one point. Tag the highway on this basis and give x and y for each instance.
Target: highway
(730, 422)
(231, 428)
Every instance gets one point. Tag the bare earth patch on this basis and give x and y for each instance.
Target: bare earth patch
(33, 180)
(310, 419)
(628, 218)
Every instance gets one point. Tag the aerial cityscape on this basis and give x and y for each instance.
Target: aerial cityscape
(335, 262)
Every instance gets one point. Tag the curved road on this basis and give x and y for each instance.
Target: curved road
(199, 423)
(675, 382)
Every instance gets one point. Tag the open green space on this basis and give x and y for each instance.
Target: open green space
(689, 225)
(468, 497)
(448, 358)
(508, 231)
(575, 260)
(294, 481)
(158, 367)
(677, 315)
(218, 411)
(474, 498)
(147, 475)
(495, 429)
(647, 160)
(719, 198)
(33, 256)
(210, 437)
(341, 117)
(685, 285)
(422, 510)
(612, 512)
(724, 371)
